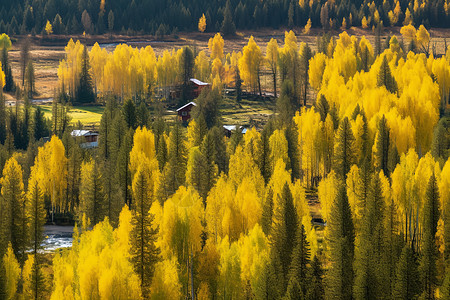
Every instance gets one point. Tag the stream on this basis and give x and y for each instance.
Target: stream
(57, 237)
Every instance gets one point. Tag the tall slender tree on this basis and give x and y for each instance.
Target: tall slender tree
(407, 279)
(340, 239)
(427, 267)
(344, 155)
(283, 233)
(144, 252)
(85, 89)
(371, 258)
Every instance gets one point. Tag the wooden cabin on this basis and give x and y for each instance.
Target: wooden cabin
(198, 86)
(184, 112)
(89, 138)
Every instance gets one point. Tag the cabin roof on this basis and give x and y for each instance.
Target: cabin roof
(233, 128)
(83, 133)
(198, 82)
(186, 105)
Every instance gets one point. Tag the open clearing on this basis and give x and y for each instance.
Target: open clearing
(88, 116)
(46, 54)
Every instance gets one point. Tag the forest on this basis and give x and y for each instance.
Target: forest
(169, 210)
(161, 18)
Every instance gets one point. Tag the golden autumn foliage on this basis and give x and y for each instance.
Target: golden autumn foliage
(50, 170)
(218, 242)
(97, 266)
(202, 23)
(307, 27)
(250, 64)
(215, 46)
(406, 112)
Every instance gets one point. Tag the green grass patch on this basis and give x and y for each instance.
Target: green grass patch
(87, 115)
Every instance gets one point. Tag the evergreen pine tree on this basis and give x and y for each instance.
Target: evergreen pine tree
(322, 107)
(123, 170)
(283, 232)
(264, 163)
(314, 288)
(105, 143)
(300, 259)
(238, 86)
(176, 166)
(196, 172)
(9, 80)
(25, 124)
(85, 90)
(370, 262)
(40, 128)
(382, 141)
(427, 266)
(15, 219)
(186, 70)
(38, 281)
(406, 281)
(344, 155)
(144, 253)
(129, 113)
(92, 197)
(3, 118)
(221, 155)
(268, 286)
(340, 239)
(385, 77)
(228, 28)
(266, 220)
(142, 115)
(441, 140)
(161, 153)
(37, 217)
(110, 182)
(305, 56)
(75, 156)
(210, 153)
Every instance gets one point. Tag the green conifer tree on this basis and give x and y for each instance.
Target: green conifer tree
(340, 239)
(370, 263)
(129, 113)
(344, 155)
(314, 288)
(123, 170)
(3, 118)
(144, 253)
(406, 281)
(14, 215)
(382, 142)
(283, 232)
(427, 266)
(305, 56)
(266, 220)
(40, 128)
(228, 28)
(298, 272)
(176, 166)
(385, 77)
(85, 89)
(142, 115)
(92, 197)
(37, 217)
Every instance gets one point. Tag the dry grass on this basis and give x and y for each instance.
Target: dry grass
(46, 54)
